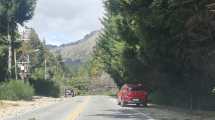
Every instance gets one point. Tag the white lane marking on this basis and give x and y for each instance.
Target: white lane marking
(114, 100)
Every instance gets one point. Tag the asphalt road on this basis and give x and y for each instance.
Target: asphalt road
(97, 108)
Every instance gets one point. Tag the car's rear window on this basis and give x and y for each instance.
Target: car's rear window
(136, 89)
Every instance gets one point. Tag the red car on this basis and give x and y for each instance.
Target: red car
(132, 94)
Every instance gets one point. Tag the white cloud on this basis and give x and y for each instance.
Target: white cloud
(63, 21)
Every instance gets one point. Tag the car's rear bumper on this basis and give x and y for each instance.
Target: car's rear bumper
(133, 101)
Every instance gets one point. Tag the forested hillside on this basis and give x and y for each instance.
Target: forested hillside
(166, 44)
(77, 52)
(77, 58)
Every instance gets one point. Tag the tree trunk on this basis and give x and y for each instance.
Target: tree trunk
(191, 102)
(9, 52)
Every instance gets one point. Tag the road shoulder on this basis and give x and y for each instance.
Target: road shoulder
(13, 108)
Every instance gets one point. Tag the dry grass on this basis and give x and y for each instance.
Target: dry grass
(1, 104)
(6, 104)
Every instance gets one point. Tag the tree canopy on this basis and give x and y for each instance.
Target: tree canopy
(15, 12)
(166, 44)
(12, 13)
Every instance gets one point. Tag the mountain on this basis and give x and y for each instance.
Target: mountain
(51, 46)
(77, 52)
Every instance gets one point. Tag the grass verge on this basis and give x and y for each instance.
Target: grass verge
(16, 90)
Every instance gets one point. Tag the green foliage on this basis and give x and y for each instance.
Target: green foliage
(46, 88)
(38, 74)
(55, 70)
(3, 60)
(16, 11)
(12, 13)
(16, 90)
(170, 96)
(109, 50)
(163, 43)
(80, 81)
(79, 84)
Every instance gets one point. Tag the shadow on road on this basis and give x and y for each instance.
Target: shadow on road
(121, 114)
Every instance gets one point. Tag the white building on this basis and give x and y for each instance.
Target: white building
(25, 32)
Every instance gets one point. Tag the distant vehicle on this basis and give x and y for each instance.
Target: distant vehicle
(132, 94)
(69, 92)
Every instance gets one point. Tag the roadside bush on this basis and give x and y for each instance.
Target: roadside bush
(46, 88)
(16, 90)
(170, 97)
(80, 85)
(159, 98)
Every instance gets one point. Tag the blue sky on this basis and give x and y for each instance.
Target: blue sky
(64, 21)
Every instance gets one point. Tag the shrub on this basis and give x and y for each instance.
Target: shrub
(80, 84)
(170, 97)
(159, 98)
(16, 90)
(46, 88)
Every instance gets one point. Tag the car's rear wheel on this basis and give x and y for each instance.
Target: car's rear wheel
(145, 104)
(123, 104)
(118, 102)
(138, 104)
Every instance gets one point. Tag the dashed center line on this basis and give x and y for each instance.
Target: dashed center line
(80, 108)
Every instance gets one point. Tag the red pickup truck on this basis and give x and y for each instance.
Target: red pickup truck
(132, 94)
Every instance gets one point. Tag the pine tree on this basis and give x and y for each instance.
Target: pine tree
(13, 12)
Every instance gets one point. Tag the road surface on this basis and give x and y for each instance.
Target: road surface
(99, 108)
